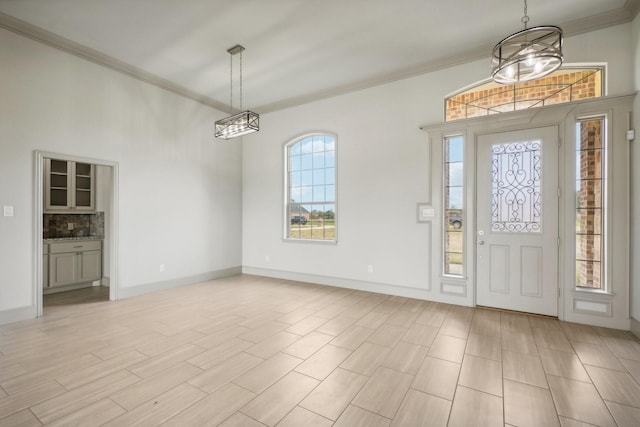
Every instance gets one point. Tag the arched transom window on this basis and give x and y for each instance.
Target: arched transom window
(565, 85)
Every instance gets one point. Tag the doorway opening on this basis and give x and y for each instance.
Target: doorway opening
(75, 230)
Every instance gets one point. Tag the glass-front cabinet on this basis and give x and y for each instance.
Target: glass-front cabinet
(69, 186)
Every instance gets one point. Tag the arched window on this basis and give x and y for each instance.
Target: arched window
(565, 85)
(310, 188)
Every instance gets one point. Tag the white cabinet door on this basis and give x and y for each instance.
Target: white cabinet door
(68, 186)
(45, 271)
(90, 266)
(63, 269)
(517, 220)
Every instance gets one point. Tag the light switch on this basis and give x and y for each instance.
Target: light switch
(631, 134)
(7, 210)
(428, 212)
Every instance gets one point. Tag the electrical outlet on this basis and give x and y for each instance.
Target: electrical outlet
(161, 268)
(266, 259)
(71, 226)
(370, 268)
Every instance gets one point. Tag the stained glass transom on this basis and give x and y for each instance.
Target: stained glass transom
(516, 187)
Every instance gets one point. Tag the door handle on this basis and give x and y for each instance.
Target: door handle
(481, 242)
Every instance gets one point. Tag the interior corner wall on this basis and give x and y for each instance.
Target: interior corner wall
(635, 185)
(180, 191)
(384, 171)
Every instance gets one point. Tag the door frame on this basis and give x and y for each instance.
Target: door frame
(38, 211)
(559, 184)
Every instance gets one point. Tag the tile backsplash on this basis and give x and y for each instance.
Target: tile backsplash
(57, 225)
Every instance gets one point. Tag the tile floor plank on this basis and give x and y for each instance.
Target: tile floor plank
(213, 409)
(263, 375)
(161, 408)
(334, 394)
(422, 410)
(274, 403)
(301, 417)
(323, 362)
(384, 392)
(579, 401)
(357, 417)
(528, 406)
(437, 377)
(471, 407)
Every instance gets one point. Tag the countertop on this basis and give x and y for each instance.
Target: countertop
(72, 239)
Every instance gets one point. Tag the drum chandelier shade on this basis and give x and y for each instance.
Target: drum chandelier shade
(242, 123)
(528, 54)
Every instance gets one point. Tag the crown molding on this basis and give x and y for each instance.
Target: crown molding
(48, 38)
(633, 7)
(615, 17)
(602, 20)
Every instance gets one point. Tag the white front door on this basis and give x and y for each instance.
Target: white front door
(517, 220)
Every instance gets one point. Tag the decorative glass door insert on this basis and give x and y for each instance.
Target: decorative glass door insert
(516, 187)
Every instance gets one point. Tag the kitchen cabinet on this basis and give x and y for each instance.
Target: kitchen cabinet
(69, 186)
(75, 262)
(45, 265)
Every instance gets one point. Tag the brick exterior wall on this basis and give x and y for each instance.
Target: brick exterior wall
(559, 87)
(589, 203)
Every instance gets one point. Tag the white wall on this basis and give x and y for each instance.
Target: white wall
(179, 189)
(635, 184)
(383, 171)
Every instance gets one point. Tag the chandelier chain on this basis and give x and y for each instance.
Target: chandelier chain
(525, 18)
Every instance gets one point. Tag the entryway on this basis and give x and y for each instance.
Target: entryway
(517, 220)
(97, 265)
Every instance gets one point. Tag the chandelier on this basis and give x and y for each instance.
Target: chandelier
(528, 54)
(241, 123)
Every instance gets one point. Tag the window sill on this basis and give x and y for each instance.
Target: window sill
(321, 242)
(586, 291)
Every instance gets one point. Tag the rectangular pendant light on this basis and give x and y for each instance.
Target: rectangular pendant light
(237, 125)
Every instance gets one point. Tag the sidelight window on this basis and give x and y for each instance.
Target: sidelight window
(453, 205)
(590, 202)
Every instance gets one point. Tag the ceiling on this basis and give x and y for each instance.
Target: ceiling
(297, 51)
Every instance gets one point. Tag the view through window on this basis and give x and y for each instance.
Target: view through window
(311, 188)
(453, 205)
(564, 85)
(590, 202)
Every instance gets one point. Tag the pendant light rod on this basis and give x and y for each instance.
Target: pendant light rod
(241, 123)
(235, 50)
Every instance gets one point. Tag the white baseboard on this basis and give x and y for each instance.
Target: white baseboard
(17, 314)
(635, 327)
(360, 285)
(175, 283)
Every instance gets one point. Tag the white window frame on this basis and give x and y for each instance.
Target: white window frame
(286, 187)
(606, 202)
(443, 224)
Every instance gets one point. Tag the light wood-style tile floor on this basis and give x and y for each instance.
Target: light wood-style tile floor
(253, 351)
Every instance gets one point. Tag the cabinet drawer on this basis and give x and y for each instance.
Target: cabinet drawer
(76, 246)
